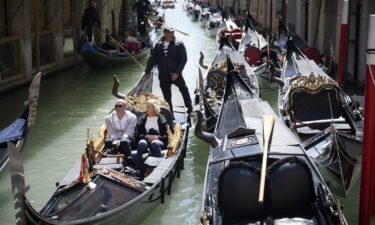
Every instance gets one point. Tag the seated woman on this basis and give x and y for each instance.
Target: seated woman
(151, 132)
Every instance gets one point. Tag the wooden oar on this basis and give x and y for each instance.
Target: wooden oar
(154, 20)
(124, 49)
(268, 123)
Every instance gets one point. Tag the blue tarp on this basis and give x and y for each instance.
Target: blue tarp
(17, 130)
(89, 46)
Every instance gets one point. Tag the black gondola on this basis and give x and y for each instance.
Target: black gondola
(327, 64)
(294, 192)
(98, 58)
(110, 193)
(211, 88)
(16, 132)
(252, 43)
(323, 116)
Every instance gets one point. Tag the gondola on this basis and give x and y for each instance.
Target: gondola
(213, 24)
(252, 43)
(203, 17)
(103, 59)
(328, 65)
(230, 29)
(99, 190)
(257, 172)
(211, 88)
(16, 132)
(323, 116)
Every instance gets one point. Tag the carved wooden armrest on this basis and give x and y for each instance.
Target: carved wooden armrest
(118, 156)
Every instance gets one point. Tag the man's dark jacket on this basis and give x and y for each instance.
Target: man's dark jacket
(173, 62)
(90, 16)
(142, 7)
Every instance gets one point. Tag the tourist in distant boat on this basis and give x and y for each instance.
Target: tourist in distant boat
(151, 132)
(120, 126)
(169, 55)
(89, 19)
(108, 44)
(142, 7)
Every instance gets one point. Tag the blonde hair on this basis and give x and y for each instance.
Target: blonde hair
(155, 105)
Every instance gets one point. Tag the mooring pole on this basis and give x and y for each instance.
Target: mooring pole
(343, 37)
(367, 199)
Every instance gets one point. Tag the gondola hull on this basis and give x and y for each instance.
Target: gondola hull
(133, 212)
(17, 131)
(294, 191)
(213, 83)
(111, 193)
(97, 60)
(322, 115)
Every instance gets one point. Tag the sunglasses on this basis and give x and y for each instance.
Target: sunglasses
(118, 106)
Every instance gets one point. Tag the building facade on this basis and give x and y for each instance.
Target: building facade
(41, 35)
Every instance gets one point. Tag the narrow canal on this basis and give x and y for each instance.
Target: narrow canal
(77, 99)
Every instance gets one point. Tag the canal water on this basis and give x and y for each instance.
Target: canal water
(77, 99)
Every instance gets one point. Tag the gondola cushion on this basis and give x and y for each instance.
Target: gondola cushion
(252, 55)
(238, 193)
(291, 189)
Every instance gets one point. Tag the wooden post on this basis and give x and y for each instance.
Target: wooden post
(37, 41)
(271, 18)
(317, 22)
(367, 194)
(285, 12)
(258, 8)
(343, 40)
(356, 45)
(74, 32)
(113, 18)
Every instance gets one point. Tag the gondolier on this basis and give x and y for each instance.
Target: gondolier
(89, 19)
(141, 7)
(170, 57)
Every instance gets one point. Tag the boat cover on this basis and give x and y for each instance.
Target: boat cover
(15, 131)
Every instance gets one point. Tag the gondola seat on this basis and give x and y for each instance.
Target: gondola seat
(289, 192)
(292, 192)
(307, 106)
(216, 81)
(252, 55)
(238, 193)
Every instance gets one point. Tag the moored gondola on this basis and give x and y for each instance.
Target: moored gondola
(203, 17)
(327, 63)
(293, 192)
(323, 116)
(16, 132)
(212, 85)
(213, 24)
(252, 43)
(99, 190)
(229, 29)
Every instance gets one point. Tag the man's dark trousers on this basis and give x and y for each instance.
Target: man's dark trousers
(165, 85)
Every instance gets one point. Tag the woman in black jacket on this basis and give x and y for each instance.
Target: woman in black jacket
(151, 132)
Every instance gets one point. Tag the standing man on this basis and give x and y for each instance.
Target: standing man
(89, 19)
(120, 126)
(170, 57)
(142, 7)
